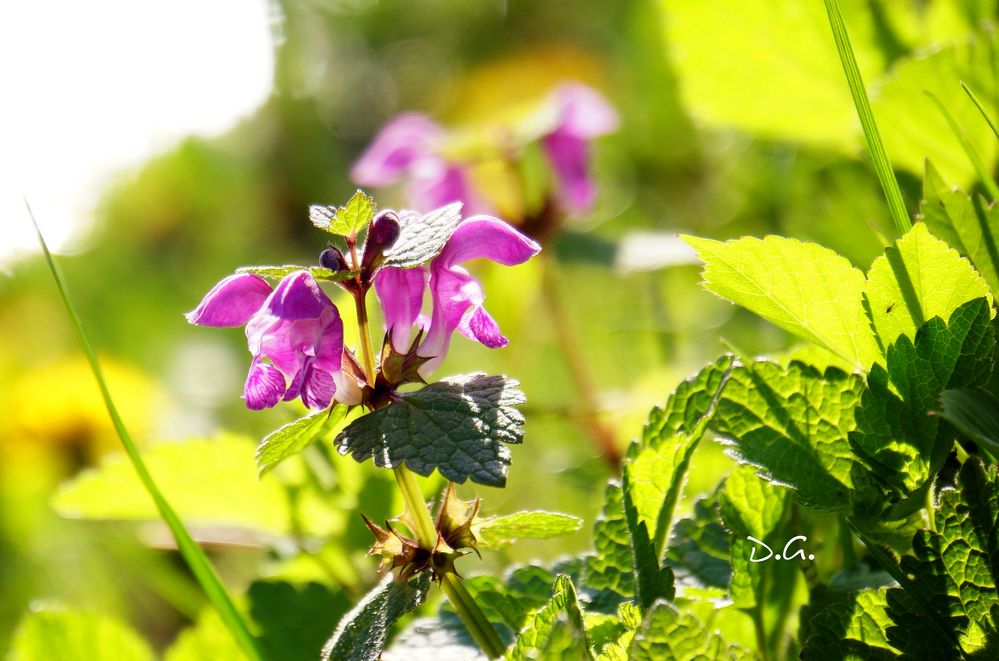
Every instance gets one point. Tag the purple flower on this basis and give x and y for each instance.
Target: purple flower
(582, 115)
(294, 334)
(408, 148)
(457, 297)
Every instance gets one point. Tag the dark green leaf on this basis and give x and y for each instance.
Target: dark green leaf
(347, 220)
(846, 625)
(499, 531)
(699, 549)
(363, 632)
(609, 568)
(793, 423)
(457, 426)
(422, 238)
(976, 413)
(293, 620)
(294, 436)
(897, 436)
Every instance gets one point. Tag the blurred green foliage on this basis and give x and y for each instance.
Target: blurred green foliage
(735, 120)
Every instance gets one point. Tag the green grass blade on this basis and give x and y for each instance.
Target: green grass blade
(981, 109)
(875, 145)
(189, 549)
(983, 174)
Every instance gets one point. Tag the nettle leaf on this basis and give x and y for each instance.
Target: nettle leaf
(280, 272)
(66, 634)
(610, 568)
(805, 289)
(293, 437)
(974, 412)
(955, 570)
(499, 531)
(347, 220)
(699, 551)
(918, 278)
(536, 639)
(669, 439)
(898, 436)
(652, 581)
(422, 238)
(793, 424)
(971, 226)
(362, 633)
(846, 625)
(457, 426)
(750, 507)
(668, 633)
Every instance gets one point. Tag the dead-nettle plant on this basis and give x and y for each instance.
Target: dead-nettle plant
(457, 425)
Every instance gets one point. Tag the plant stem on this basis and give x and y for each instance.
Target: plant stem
(846, 544)
(464, 604)
(875, 144)
(930, 510)
(981, 109)
(990, 186)
(760, 629)
(575, 361)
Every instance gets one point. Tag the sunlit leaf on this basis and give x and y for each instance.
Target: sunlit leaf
(422, 238)
(502, 530)
(534, 640)
(280, 272)
(805, 289)
(294, 436)
(917, 279)
(347, 220)
(668, 633)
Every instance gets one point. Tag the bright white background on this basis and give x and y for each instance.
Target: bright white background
(91, 89)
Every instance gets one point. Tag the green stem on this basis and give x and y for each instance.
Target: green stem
(193, 555)
(760, 629)
(930, 509)
(426, 531)
(875, 145)
(981, 109)
(846, 544)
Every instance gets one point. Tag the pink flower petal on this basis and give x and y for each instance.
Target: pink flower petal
(231, 302)
(485, 237)
(401, 294)
(397, 146)
(265, 385)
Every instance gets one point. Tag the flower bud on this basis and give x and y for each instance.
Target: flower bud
(333, 259)
(382, 234)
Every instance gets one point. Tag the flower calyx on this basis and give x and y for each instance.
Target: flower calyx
(395, 369)
(458, 521)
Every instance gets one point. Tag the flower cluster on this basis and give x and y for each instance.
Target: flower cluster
(295, 332)
(414, 149)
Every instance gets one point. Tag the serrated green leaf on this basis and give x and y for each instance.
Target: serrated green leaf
(363, 632)
(971, 226)
(669, 439)
(898, 436)
(846, 625)
(805, 289)
(421, 238)
(954, 569)
(699, 550)
(793, 424)
(668, 633)
(499, 531)
(280, 272)
(533, 640)
(610, 568)
(347, 220)
(64, 634)
(457, 426)
(974, 412)
(918, 278)
(750, 507)
(292, 438)
(652, 581)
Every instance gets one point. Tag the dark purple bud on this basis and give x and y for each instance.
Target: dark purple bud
(333, 259)
(382, 234)
(384, 231)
